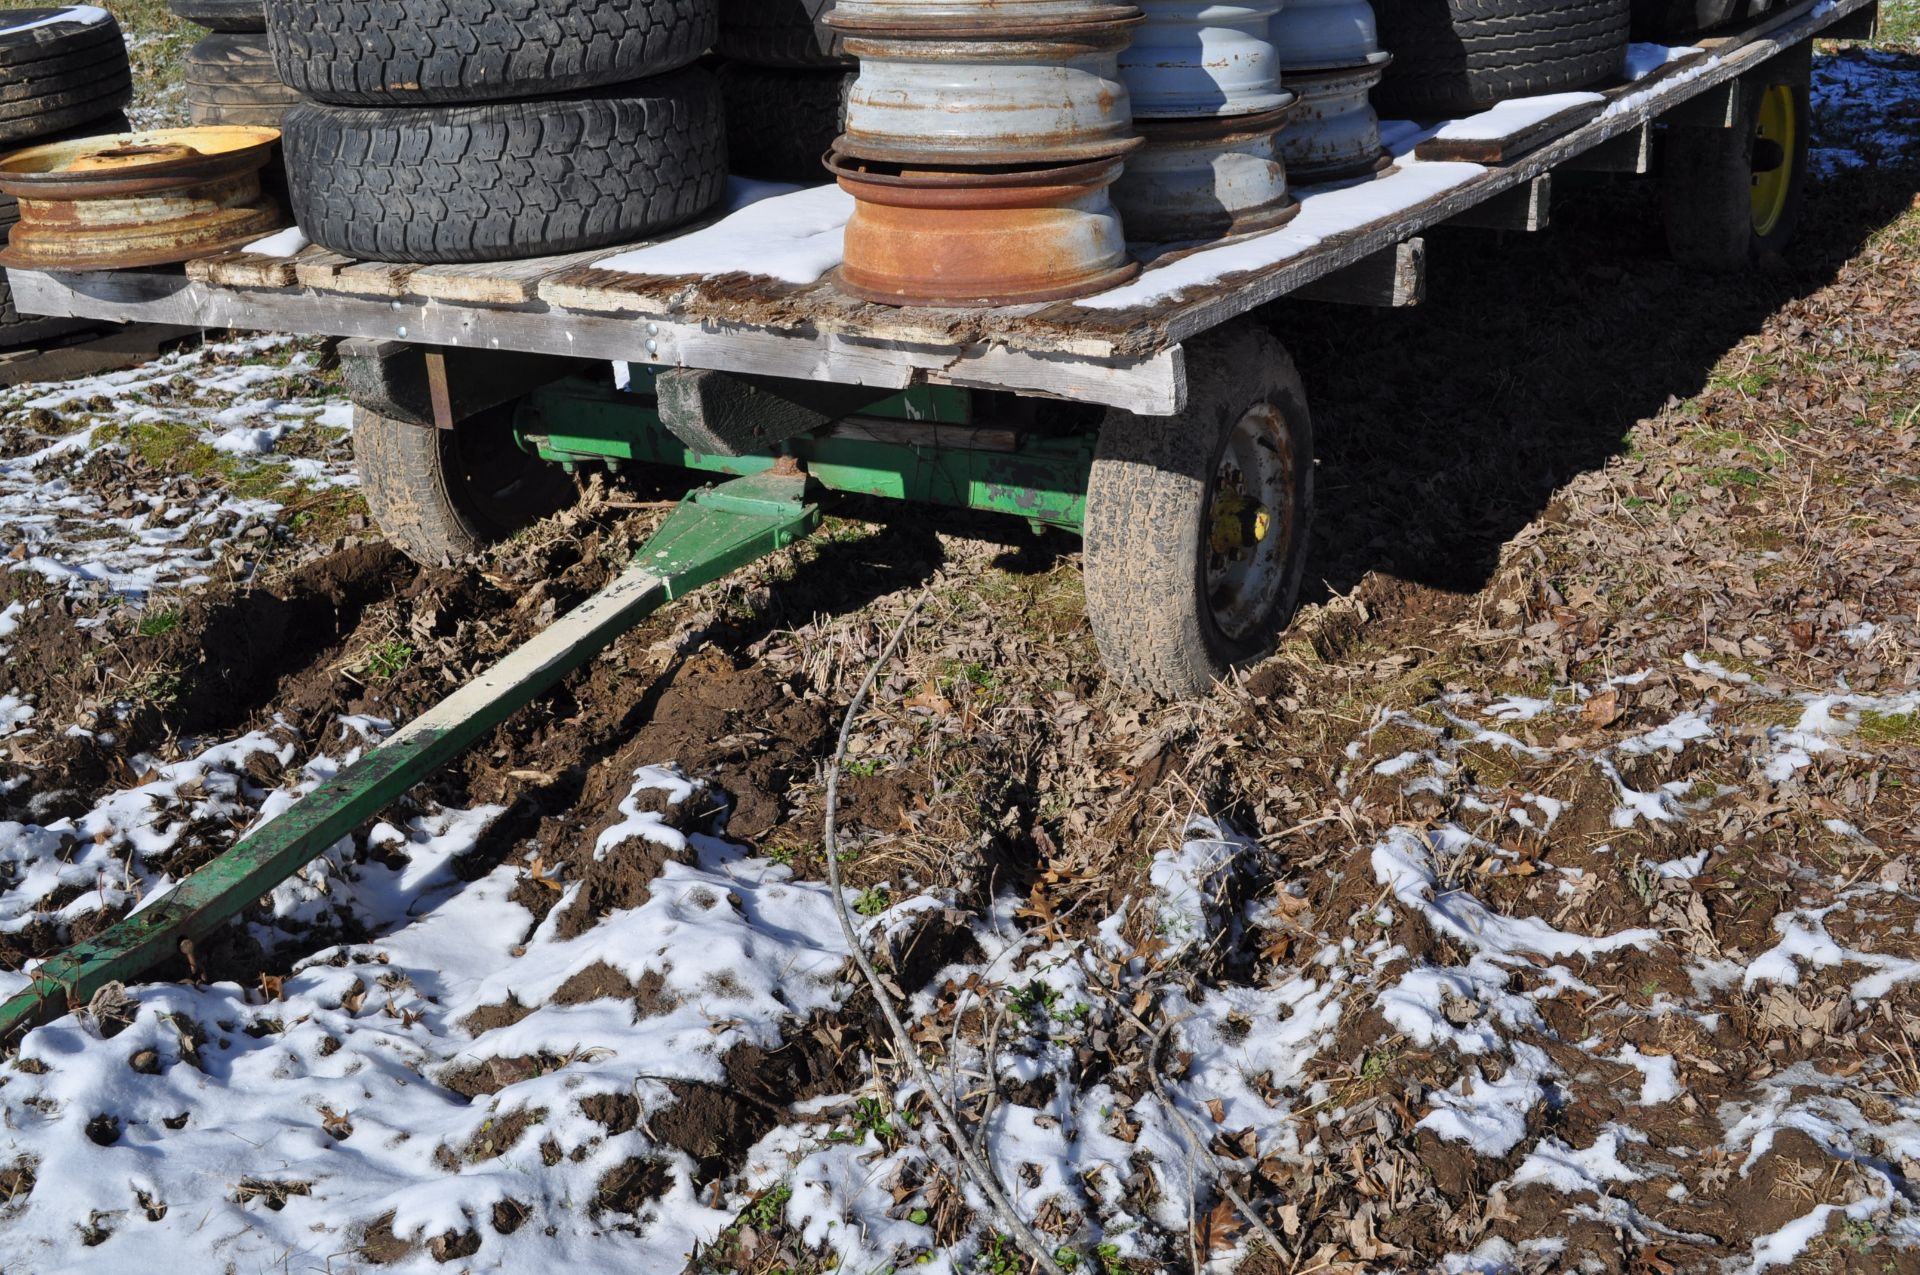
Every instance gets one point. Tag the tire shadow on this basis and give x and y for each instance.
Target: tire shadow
(1445, 429)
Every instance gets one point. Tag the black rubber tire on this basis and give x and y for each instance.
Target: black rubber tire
(79, 71)
(789, 33)
(1456, 57)
(1149, 494)
(60, 113)
(444, 495)
(22, 42)
(1707, 178)
(226, 59)
(55, 77)
(231, 79)
(223, 15)
(509, 179)
(781, 121)
(237, 114)
(406, 52)
(1671, 19)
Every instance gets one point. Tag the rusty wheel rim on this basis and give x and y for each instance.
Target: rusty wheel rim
(1250, 523)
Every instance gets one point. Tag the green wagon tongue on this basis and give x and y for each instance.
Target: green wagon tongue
(713, 532)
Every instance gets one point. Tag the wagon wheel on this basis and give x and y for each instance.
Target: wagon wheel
(443, 494)
(1733, 195)
(1196, 524)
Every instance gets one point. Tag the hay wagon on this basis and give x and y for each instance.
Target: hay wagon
(1155, 418)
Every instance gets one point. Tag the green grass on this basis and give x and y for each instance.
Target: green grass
(764, 1213)
(389, 658)
(158, 623)
(1889, 728)
(158, 44)
(158, 686)
(1899, 22)
(319, 513)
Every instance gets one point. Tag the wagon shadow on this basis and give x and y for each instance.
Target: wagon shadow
(1445, 429)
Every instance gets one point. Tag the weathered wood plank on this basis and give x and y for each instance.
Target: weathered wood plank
(1860, 25)
(1508, 146)
(373, 279)
(1391, 278)
(1629, 152)
(315, 267)
(91, 354)
(1527, 207)
(1718, 107)
(499, 283)
(1154, 384)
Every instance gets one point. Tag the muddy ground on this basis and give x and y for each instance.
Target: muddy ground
(1597, 535)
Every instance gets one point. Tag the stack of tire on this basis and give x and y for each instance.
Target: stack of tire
(492, 130)
(230, 73)
(1458, 57)
(785, 81)
(63, 73)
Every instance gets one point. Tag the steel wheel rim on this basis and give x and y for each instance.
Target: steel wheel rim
(1249, 526)
(1778, 124)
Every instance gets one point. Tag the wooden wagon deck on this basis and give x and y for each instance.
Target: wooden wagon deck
(748, 310)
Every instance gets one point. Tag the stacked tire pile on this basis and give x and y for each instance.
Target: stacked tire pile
(1457, 57)
(490, 130)
(982, 139)
(785, 83)
(1204, 77)
(230, 74)
(1330, 53)
(63, 72)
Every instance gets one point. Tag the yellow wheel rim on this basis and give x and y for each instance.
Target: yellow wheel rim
(1778, 123)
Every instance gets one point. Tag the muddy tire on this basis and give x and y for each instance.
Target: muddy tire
(789, 33)
(1197, 524)
(1732, 196)
(231, 79)
(507, 179)
(1455, 57)
(222, 15)
(443, 495)
(399, 52)
(781, 121)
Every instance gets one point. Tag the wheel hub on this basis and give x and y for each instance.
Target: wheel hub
(1775, 133)
(1250, 523)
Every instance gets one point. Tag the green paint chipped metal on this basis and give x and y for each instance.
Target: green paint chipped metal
(711, 533)
(929, 453)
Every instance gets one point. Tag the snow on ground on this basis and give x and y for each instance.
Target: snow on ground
(1475, 1010)
(332, 1088)
(130, 535)
(1866, 104)
(468, 1082)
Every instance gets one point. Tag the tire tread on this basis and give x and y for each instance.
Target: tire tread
(400, 52)
(510, 179)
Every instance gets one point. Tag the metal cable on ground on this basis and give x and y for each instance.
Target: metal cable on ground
(1023, 1235)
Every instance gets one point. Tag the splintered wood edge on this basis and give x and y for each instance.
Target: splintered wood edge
(1509, 146)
